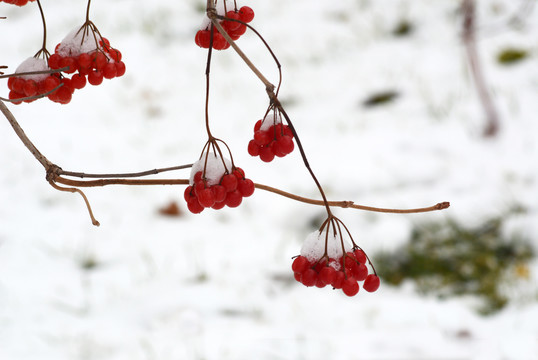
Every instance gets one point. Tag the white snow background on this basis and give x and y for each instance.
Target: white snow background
(218, 285)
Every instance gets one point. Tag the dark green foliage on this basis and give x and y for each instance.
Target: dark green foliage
(447, 259)
(380, 98)
(510, 56)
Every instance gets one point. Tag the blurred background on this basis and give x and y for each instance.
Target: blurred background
(387, 107)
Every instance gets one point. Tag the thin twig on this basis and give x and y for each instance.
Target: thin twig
(469, 30)
(75, 190)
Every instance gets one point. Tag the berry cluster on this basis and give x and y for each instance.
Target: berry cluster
(233, 28)
(87, 59)
(17, 2)
(323, 262)
(214, 187)
(271, 138)
(34, 85)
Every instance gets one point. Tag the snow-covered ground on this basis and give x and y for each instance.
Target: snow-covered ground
(218, 285)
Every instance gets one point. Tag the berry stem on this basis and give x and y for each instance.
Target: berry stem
(43, 49)
(73, 190)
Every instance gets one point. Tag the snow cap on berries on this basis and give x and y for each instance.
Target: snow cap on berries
(314, 246)
(33, 64)
(73, 45)
(270, 119)
(214, 168)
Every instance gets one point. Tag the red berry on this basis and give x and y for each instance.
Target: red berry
(206, 197)
(233, 199)
(62, 95)
(258, 125)
(115, 54)
(309, 277)
(360, 271)
(188, 193)
(109, 70)
(239, 174)
(371, 283)
(30, 88)
(194, 206)
(218, 205)
(266, 154)
(198, 177)
(246, 187)
(262, 137)
(229, 181)
(231, 25)
(285, 144)
(327, 275)
(78, 81)
(300, 264)
(338, 280)
(350, 287)
(54, 61)
(219, 192)
(13, 95)
(204, 38)
(18, 85)
(120, 68)
(50, 83)
(95, 77)
(253, 148)
(219, 42)
(70, 63)
(99, 60)
(360, 256)
(246, 14)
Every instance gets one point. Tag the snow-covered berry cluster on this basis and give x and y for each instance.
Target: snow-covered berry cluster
(233, 28)
(215, 183)
(323, 262)
(17, 2)
(34, 85)
(271, 138)
(87, 57)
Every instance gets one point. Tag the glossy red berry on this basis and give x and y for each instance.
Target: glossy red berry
(300, 264)
(246, 187)
(246, 14)
(350, 287)
(371, 283)
(229, 181)
(309, 277)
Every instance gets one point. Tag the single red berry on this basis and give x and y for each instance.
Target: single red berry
(239, 173)
(188, 193)
(233, 199)
(236, 34)
(229, 24)
(84, 62)
(309, 277)
(258, 125)
(300, 264)
(120, 68)
(275, 147)
(327, 275)
(197, 177)
(78, 81)
(246, 187)
(219, 42)
(360, 256)
(218, 205)
(262, 137)
(298, 276)
(54, 61)
(30, 88)
(50, 83)
(13, 95)
(206, 198)
(99, 60)
(246, 14)
(194, 206)
(371, 283)
(115, 54)
(18, 85)
(199, 187)
(285, 144)
(267, 154)
(63, 95)
(253, 148)
(95, 77)
(229, 181)
(360, 271)
(319, 283)
(109, 70)
(204, 38)
(10, 82)
(219, 192)
(350, 286)
(338, 281)
(70, 63)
